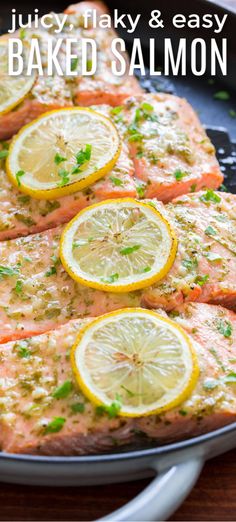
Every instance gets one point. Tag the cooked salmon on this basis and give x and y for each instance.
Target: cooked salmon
(51, 92)
(171, 152)
(136, 174)
(42, 410)
(38, 295)
(205, 265)
(21, 215)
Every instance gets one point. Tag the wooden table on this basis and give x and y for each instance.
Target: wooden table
(213, 498)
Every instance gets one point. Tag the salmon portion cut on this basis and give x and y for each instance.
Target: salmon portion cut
(32, 402)
(36, 294)
(21, 215)
(213, 402)
(56, 91)
(171, 151)
(206, 258)
(31, 372)
(205, 266)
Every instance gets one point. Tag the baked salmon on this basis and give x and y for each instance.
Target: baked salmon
(56, 91)
(205, 266)
(171, 152)
(21, 215)
(38, 295)
(164, 120)
(42, 410)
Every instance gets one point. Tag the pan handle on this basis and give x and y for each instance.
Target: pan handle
(163, 496)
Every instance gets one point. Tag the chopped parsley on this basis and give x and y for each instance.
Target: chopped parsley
(111, 279)
(222, 95)
(179, 174)
(74, 64)
(19, 287)
(55, 425)
(62, 391)
(58, 158)
(146, 269)
(201, 280)
(6, 271)
(3, 154)
(22, 350)
(112, 410)
(190, 263)
(141, 190)
(117, 110)
(210, 231)
(83, 155)
(232, 113)
(116, 181)
(19, 175)
(210, 195)
(22, 33)
(52, 271)
(224, 327)
(65, 177)
(129, 250)
(78, 407)
(89, 65)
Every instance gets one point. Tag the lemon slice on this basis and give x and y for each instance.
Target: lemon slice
(135, 362)
(61, 152)
(13, 89)
(118, 245)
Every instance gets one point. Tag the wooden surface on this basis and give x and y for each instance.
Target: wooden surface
(213, 498)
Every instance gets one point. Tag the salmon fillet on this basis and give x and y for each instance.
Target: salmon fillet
(205, 266)
(136, 174)
(37, 416)
(52, 92)
(38, 295)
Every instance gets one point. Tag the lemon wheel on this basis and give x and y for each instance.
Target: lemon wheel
(61, 152)
(118, 246)
(137, 360)
(13, 89)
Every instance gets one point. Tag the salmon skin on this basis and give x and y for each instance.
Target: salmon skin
(38, 295)
(205, 266)
(165, 153)
(52, 92)
(40, 416)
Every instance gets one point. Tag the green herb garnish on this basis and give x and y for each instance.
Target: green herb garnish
(62, 391)
(58, 158)
(74, 64)
(210, 231)
(116, 181)
(55, 425)
(179, 174)
(210, 195)
(201, 280)
(19, 174)
(129, 250)
(224, 327)
(222, 95)
(78, 407)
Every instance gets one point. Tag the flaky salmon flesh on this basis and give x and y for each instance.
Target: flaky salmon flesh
(37, 294)
(52, 92)
(165, 153)
(35, 420)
